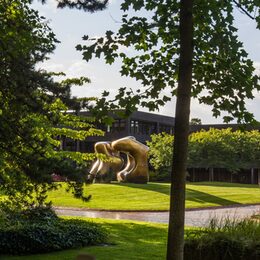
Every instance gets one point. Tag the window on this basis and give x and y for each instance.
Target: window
(166, 128)
(118, 125)
(142, 127)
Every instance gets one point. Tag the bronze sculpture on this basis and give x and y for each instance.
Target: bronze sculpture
(134, 170)
(102, 168)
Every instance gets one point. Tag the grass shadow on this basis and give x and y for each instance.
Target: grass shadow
(205, 198)
(163, 188)
(191, 194)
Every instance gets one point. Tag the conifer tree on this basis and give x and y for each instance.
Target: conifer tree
(33, 111)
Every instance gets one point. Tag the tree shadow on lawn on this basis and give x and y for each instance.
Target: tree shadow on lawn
(163, 188)
(206, 198)
(191, 194)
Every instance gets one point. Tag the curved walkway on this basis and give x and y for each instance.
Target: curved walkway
(193, 217)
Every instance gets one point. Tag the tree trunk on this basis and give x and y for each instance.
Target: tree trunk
(252, 176)
(211, 174)
(258, 176)
(177, 199)
(77, 145)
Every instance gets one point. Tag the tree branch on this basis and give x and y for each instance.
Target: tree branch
(243, 9)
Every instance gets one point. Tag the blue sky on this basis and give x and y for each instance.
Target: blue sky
(69, 27)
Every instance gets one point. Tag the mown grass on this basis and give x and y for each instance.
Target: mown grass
(128, 240)
(155, 196)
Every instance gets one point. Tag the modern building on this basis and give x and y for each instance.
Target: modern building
(140, 125)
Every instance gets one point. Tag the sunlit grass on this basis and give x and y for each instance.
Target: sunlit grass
(155, 196)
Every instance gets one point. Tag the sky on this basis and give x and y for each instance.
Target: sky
(70, 25)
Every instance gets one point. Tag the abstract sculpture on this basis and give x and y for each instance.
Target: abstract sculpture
(102, 168)
(134, 170)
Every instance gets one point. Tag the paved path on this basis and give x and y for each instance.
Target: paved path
(193, 217)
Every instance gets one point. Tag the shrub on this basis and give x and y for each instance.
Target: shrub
(36, 234)
(159, 175)
(225, 240)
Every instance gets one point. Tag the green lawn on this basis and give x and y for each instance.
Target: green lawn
(155, 196)
(129, 240)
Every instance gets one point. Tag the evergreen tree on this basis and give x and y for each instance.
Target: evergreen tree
(33, 115)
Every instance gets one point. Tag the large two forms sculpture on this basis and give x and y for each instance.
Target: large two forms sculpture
(103, 168)
(134, 169)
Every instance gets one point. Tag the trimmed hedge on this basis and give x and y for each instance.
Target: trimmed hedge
(232, 240)
(36, 235)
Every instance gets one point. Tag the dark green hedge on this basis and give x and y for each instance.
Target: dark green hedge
(37, 235)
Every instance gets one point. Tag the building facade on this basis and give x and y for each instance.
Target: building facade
(140, 125)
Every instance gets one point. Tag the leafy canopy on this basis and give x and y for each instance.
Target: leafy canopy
(223, 76)
(215, 148)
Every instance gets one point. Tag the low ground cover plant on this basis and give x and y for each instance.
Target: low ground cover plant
(40, 230)
(226, 239)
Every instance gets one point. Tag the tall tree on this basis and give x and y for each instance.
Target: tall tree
(175, 245)
(192, 48)
(33, 111)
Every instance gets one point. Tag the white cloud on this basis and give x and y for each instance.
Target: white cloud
(77, 69)
(50, 5)
(257, 67)
(112, 2)
(51, 67)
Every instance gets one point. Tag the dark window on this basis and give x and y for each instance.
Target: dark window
(118, 125)
(132, 126)
(101, 126)
(70, 145)
(142, 127)
(166, 128)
